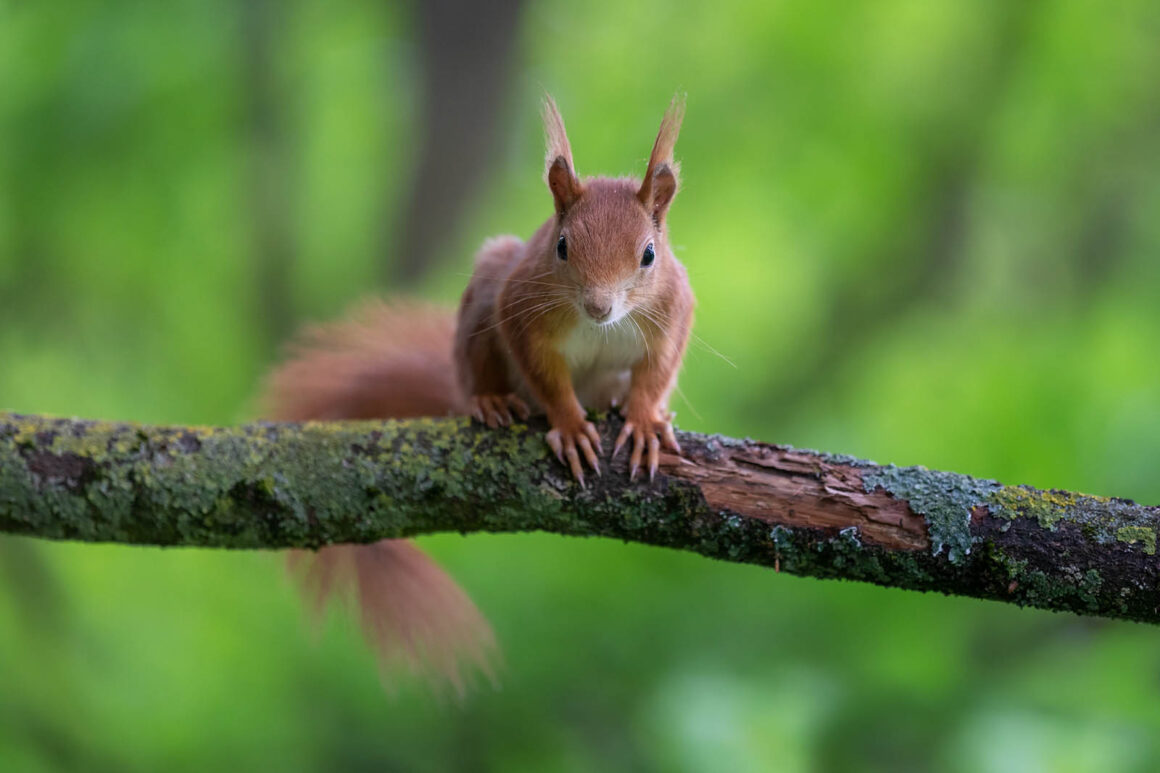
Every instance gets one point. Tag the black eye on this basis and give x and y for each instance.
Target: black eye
(649, 255)
(562, 249)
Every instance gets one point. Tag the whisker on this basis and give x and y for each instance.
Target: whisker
(705, 344)
(693, 336)
(540, 311)
(644, 340)
(688, 402)
(545, 298)
(501, 278)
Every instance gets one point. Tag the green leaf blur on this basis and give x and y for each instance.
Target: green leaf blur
(923, 233)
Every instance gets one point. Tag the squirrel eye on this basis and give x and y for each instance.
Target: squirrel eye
(562, 249)
(649, 255)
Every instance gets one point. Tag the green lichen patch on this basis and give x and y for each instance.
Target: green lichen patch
(1103, 520)
(1046, 507)
(944, 499)
(270, 485)
(1144, 535)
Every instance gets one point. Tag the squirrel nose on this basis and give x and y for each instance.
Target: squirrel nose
(598, 309)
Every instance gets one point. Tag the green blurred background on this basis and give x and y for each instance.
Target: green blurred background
(920, 232)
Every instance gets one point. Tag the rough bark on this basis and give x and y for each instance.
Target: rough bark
(289, 485)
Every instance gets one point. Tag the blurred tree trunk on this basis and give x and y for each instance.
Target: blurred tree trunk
(289, 485)
(272, 244)
(466, 49)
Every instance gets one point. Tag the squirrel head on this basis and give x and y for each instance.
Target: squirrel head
(610, 242)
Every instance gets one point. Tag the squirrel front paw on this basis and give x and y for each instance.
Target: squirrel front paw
(565, 441)
(648, 431)
(495, 410)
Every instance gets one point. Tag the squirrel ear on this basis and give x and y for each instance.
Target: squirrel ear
(662, 190)
(660, 179)
(558, 170)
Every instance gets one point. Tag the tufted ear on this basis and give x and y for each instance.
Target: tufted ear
(660, 179)
(558, 170)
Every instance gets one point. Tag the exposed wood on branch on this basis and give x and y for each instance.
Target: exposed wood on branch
(276, 486)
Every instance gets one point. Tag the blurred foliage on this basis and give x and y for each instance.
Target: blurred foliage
(919, 232)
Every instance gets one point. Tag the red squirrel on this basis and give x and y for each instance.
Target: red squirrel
(592, 312)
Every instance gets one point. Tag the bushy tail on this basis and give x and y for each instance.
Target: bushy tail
(385, 361)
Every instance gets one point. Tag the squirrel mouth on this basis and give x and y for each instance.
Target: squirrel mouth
(611, 319)
(601, 315)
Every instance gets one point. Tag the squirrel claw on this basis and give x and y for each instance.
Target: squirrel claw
(576, 447)
(669, 439)
(518, 405)
(496, 410)
(646, 440)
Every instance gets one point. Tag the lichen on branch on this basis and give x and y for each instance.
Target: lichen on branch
(275, 486)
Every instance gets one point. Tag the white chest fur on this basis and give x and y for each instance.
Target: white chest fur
(600, 358)
(595, 347)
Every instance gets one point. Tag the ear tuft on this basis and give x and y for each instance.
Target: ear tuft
(559, 171)
(661, 179)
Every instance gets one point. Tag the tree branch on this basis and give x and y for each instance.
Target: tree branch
(289, 485)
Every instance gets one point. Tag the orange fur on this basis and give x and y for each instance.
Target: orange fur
(659, 185)
(525, 317)
(386, 361)
(535, 332)
(559, 171)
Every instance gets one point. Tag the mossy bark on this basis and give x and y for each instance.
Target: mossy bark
(277, 486)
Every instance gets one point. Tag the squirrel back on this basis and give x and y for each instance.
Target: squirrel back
(387, 360)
